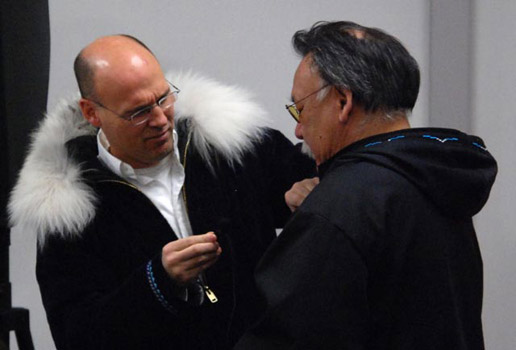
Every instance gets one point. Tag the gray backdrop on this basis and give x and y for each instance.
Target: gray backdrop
(464, 48)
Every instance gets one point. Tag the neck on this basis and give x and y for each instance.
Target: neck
(362, 125)
(358, 126)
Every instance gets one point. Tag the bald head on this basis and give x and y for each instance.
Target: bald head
(119, 77)
(107, 55)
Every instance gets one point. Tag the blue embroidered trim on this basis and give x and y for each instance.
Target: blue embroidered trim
(372, 144)
(479, 146)
(155, 289)
(440, 140)
(427, 137)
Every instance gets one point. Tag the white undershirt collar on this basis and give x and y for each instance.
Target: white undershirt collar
(161, 183)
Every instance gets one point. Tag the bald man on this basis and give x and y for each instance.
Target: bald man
(152, 217)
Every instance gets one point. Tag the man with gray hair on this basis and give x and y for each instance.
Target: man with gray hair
(382, 254)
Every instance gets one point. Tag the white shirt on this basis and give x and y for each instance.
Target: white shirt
(161, 183)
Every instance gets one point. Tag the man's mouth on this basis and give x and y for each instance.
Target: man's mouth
(160, 136)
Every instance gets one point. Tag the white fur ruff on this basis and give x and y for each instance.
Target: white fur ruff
(50, 196)
(223, 117)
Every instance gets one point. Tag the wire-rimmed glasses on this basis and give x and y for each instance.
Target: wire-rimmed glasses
(143, 114)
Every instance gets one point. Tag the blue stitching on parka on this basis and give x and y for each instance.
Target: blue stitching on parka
(396, 138)
(435, 138)
(155, 289)
(372, 144)
(440, 140)
(479, 146)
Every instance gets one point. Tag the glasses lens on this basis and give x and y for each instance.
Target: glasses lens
(168, 100)
(141, 116)
(165, 103)
(293, 112)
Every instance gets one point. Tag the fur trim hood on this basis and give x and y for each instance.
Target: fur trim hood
(50, 196)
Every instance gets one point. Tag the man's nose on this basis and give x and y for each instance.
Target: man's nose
(159, 117)
(299, 131)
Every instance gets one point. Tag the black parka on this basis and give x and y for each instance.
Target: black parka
(96, 288)
(383, 253)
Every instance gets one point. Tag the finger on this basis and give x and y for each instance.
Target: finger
(202, 263)
(184, 271)
(186, 242)
(206, 259)
(293, 201)
(310, 184)
(296, 197)
(305, 190)
(194, 251)
(299, 191)
(304, 186)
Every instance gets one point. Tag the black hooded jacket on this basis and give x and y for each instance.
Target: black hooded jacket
(383, 253)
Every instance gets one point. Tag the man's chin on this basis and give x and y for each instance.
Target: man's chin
(165, 152)
(161, 151)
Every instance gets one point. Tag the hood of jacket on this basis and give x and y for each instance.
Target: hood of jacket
(453, 169)
(51, 196)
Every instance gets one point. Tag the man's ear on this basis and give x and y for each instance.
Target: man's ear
(346, 105)
(89, 112)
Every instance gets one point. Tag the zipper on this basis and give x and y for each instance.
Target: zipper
(202, 277)
(209, 293)
(207, 290)
(183, 191)
(122, 183)
(126, 183)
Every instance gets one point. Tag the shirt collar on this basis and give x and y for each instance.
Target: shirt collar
(126, 171)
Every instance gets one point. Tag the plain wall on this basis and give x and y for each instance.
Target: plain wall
(493, 105)
(247, 43)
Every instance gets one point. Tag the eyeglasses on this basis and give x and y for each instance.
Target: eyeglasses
(143, 114)
(292, 108)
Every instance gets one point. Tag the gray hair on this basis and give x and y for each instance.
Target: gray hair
(374, 65)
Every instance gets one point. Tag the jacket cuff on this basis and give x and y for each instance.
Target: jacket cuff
(169, 295)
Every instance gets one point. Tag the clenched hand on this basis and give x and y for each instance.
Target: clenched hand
(298, 192)
(186, 258)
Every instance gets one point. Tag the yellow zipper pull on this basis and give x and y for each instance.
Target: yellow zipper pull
(209, 293)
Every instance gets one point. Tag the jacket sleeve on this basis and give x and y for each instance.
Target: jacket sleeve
(94, 303)
(286, 164)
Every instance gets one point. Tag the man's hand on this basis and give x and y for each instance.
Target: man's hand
(186, 258)
(298, 192)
